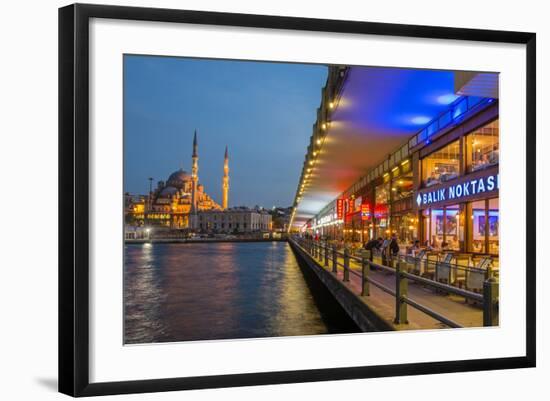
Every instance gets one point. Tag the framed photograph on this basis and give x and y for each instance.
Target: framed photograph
(251, 199)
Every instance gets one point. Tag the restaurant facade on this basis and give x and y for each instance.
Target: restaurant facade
(441, 187)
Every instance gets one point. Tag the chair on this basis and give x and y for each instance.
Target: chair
(475, 279)
(462, 262)
(418, 267)
(430, 264)
(443, 269)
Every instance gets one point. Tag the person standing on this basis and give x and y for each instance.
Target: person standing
(394, 246)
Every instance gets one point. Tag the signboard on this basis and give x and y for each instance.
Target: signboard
(380, 210)
(365, 212)
(325, 219)
(357, 203)
(467, 187)
(340, 209)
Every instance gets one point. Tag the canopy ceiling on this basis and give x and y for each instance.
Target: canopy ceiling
(379, 110)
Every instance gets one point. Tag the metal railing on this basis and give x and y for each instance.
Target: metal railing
(444, 267)
(329, 255)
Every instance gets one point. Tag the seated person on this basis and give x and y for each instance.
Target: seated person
(415, 248)
(448, 175)
(432, 179)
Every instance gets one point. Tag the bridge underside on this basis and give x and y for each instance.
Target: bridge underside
(378, 111)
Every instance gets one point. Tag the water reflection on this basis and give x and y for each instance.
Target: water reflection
(182, 292)
(143, 295)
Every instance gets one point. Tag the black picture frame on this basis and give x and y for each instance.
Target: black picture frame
(74, 200)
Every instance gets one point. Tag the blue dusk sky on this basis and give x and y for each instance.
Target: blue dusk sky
(262, 111)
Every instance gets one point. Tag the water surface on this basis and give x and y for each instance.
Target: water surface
(207, 291)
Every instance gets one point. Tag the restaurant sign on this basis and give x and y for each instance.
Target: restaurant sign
(357, 204)
(340, 209)
(365, 212)
(465, 188)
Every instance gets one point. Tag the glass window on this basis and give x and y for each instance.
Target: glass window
(478, 227)
(454, 228)
(442, 165)
(402, 187)
(485, 227)
(405, 228)
(404, 151)
(427, 225)
(436, 237)
(381, 196)
(483, 147)
(444, 228)
(493, 226)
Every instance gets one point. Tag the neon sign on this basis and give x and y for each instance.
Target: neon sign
(464, 189)
(365, 212)
(340, 209)
(380, 210)
(357, 203)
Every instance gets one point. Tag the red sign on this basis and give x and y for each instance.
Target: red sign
(365, 212)
(340, 209)
(380, 211)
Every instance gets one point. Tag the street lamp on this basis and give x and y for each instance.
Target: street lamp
(149, 199)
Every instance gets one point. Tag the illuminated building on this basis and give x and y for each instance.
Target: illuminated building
(232, 221)
(418, 154)
(172, 202)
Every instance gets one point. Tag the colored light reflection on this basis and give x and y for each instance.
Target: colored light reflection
(420, 120)
(447, 98)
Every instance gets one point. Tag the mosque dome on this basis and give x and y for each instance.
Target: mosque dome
(178, 179)
(168, 192)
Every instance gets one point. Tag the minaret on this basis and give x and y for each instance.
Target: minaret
(225, 183)
(195, 174)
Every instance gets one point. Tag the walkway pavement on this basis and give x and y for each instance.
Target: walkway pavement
(451, 306)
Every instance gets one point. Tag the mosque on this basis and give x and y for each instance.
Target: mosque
(173, 202)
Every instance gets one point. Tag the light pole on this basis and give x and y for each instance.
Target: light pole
(149, 200)
(150, 186)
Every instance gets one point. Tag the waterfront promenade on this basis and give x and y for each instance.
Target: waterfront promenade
(200, 240)
(383, 304)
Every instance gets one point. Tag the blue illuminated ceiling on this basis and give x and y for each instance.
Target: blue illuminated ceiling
(390, 102)
(379, 110)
